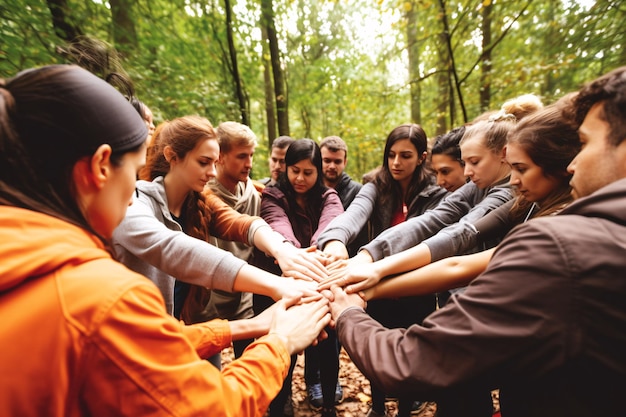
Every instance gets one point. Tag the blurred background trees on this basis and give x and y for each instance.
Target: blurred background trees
(313, 68)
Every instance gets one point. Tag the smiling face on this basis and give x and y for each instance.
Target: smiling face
(482, 165)
(197, 167)
(598, 163)
(403, 159)
(449, 171)
(302, 175)
(528, 177)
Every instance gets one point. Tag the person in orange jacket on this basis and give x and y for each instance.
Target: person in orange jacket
(82, 334)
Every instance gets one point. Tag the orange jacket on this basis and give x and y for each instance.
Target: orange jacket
(83, 335)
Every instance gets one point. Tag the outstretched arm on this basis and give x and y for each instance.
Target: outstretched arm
(357, 275)
(446, 274)
(294, 262)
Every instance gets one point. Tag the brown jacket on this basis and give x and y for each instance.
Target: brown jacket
(545, 323)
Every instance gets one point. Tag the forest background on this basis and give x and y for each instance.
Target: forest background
(313, 68)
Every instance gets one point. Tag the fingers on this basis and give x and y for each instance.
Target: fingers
(339, 280)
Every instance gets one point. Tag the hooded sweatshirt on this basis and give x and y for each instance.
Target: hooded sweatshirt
(82, 335)
(546, 322)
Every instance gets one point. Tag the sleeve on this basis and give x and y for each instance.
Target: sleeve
(331, 209)
(141, 363)
(208, 338)
(226, 222)
(174, 252)
(345, 227)
(460, 237)
(414, 230)
(274, 213)
(513, 321)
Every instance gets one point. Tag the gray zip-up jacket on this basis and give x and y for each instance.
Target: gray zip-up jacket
(456, 212)
(151, 243)
(345, 227)
(545, 323)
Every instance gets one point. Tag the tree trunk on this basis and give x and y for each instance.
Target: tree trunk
(453, 70)
(63, 26)
(414, 76)
(270, 114)
(239, 91)
(124, 32)
(280, 90)
(445, 103)
(486, 65)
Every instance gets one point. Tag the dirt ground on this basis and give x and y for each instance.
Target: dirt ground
(356, 389)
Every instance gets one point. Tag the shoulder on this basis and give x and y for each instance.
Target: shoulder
(273, 191)
(258, 185)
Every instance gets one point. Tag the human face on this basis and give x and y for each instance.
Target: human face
(197, 167)
(598, 163)
(106, 210)
(449, 171)
(277, 162)
(333, 165)
(302, 176)
(149, 120)
(235, 165)
(528, 177)
(483, 166)
(403, 159)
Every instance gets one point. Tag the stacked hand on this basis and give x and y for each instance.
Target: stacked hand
(307, 264)
(300, 322)
(353, 274)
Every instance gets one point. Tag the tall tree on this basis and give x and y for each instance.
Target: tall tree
(280, 86)
(234, 67)
(270, 114)
(485, 58)
(64, 25)
(447, 38)
(414, 61)
(123, 25)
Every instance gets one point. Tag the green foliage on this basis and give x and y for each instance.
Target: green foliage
(345, 61)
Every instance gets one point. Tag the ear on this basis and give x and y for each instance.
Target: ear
(91, 172)
(424, 156)
(503, 154)
(169, 154)
(101, 165)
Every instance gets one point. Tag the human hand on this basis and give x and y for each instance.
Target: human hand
(352, 275)
(305, 264)
(336, 250)
(299, 324)
(295, 288)
(341, 300)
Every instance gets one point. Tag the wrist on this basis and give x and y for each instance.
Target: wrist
(284, 339)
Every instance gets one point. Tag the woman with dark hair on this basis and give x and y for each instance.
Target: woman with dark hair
(404, 187)
(89, 337)
(446, 162)
(299, 207)
(538, 151)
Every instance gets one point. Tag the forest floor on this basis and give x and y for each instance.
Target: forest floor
(356, 390)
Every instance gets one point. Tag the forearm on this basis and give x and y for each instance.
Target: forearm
(247, 329)
(271, 242)
(257, 281)
(442, 275)
(404, 261)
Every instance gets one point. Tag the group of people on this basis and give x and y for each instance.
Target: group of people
(132, 258)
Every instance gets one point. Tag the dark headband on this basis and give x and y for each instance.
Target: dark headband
(69, 107)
